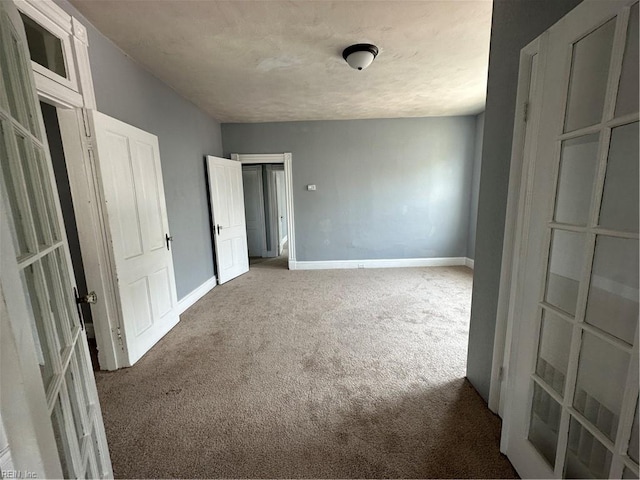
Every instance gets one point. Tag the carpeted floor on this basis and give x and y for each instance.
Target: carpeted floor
(309, 374)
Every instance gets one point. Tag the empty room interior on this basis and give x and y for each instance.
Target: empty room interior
(319, 239)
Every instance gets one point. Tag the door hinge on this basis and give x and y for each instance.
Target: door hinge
(87, 124)
(501, 374)
(119, 334)
(526, 112)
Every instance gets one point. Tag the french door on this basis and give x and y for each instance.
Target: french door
(572, 410)
(41, 261)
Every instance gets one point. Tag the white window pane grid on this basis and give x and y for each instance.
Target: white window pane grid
(78, 404)
(73, 447)
(84, 379)
(588, 79)
(627, 101)
(45, 48)
(17, 106)
(44, 262)
(21, 228)
(60, 434)
(53, 224)
(586, 456)
(619, 210)
(22, 85)
(609, 455)
(45, 338)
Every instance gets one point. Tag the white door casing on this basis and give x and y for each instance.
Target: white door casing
(48, 389)
(572, 379)
(131, 175)
(517, 216)
(286, 160)
(70, 96)
(228, 220)
(254, 210)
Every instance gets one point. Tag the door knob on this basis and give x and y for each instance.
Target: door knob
(90, 298)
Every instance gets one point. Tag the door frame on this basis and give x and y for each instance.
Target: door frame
(527, 115)
(71, 101)
(286, 159)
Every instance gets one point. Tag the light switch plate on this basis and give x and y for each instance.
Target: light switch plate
(311, 187)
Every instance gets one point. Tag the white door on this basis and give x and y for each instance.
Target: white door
(38, 288)
(572, 406)
(227, 209)
(254, 210)
(131, 173)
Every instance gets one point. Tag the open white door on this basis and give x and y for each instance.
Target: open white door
(49, 404)
(228, 220)
(134, 195)
(572, 392)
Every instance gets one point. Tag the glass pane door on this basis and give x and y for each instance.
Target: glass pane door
(44, 265)
(584, 387)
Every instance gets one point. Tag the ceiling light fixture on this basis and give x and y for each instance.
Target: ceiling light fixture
(360, 55)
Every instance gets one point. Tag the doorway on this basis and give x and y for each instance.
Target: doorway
(283, 230)
(59, 162)
(266, 214)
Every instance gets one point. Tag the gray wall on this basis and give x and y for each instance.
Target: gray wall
(126, 91)
(475, 186)
(515, 23)
(386, 188)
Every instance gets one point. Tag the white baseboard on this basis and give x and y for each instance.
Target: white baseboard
(469, 262)
(191, 298)
(378, 263)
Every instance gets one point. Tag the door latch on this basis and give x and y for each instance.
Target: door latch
(89, 298)
(218, 227)
(168, 240)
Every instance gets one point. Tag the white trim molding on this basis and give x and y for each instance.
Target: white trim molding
(286, 159)
(196, 294)
(379, 263)
(469, 262)
(516, 231)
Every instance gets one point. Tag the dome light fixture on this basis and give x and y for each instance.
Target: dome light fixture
(360, 55)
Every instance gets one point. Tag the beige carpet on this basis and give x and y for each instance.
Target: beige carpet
(309, 374)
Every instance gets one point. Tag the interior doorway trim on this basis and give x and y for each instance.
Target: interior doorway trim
(526, 126)
(284, 158)
(72, 97)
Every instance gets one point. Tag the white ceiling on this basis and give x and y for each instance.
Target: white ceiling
(280, 60)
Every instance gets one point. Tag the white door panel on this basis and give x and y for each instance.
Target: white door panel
(227, 209)
(136, 209)
(573, 370)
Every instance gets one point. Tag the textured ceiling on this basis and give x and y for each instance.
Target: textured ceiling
(275, 60)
